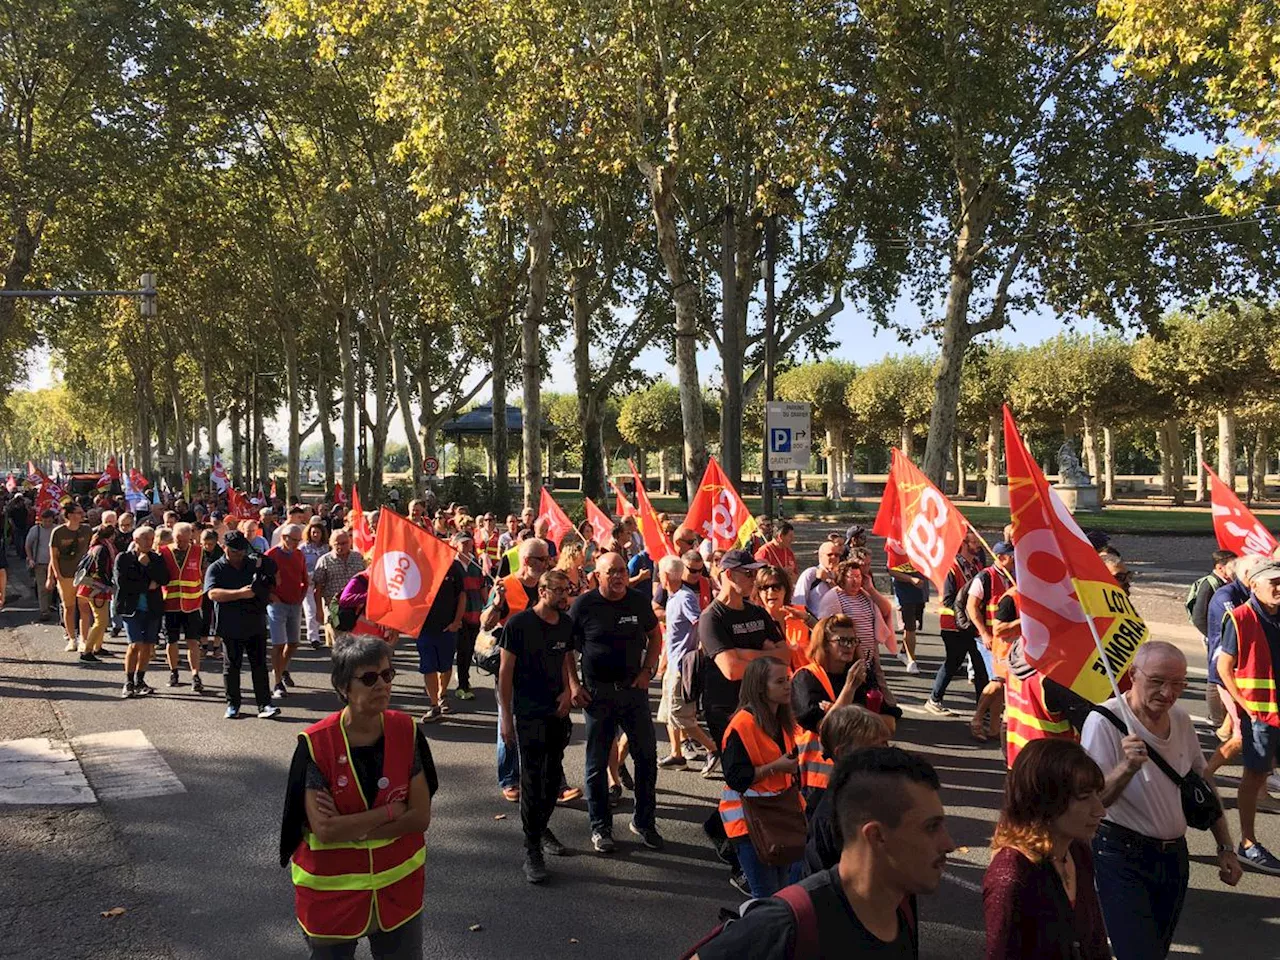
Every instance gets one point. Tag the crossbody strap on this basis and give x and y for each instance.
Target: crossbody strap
(1151, 751)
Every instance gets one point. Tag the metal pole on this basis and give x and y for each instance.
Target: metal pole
(770, 256)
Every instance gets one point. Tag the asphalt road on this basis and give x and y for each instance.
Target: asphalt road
(199, 877)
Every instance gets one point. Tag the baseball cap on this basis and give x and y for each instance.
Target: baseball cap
(235, 540)
(739, 560)
(460, 537)
(1266, 570)
(1002, 548)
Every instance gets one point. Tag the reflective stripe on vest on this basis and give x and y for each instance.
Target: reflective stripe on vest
(185, 590)
(1027, 718)
(998, 587)
(815, 769)
(359, 881)
(762, 749)
(1254, 672)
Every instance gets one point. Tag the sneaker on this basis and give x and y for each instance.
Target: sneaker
(535, 868)
(903, 659)
(1259, 857)
(288, 680)
(173, 678)
(433, 715)
(142, 689)
(673, 761)
(268, 712)
(603, 843)
(624, 777)
(615, 795)
(88, 658)
(279, 692)
(127, 692)
(196, 683)
(445, 709)
(648, 836)
(553, 846)
(738, 880)
(465, 694)
(316, 644)
(115, 631)
(711, 766)
(569, 794)
(1267, 803)
(103, 652)
(72, 645)
(1273, 783)
(724, 851)
(511, 794)
(233, 713)
(938, 710)
(913, 667)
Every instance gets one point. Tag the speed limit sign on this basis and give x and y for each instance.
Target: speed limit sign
(430, 466)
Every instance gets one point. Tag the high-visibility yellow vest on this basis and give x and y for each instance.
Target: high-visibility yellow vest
(815, 769)
(1255, 674)
(185, 590)
(1027, 718)
(762, 749)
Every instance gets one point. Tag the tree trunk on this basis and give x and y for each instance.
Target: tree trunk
(143, 437)
(995, 437)
(907, 445)
(261, 456)
(1166, 457)
(661, 180)
(833, 464)
(210, 409)
(1260, 464)
(234, 468)
(664, 487)
(293, 400)
(540, 227)
(732, 350)
(590, 401)
(1108, 466)
(961, 483)
(324, 410)
(956, 334)
(1089, 444)
(1173, 444)
(347, 361)
(382, 410)
(501, 458)
(1201, 476)
(1227, 448)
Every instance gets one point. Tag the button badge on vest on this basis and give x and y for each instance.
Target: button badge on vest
(342, 781)
(383, 783)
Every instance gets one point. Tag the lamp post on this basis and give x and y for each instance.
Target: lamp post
(770, 326)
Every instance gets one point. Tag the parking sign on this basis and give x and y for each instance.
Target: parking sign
(789, 430)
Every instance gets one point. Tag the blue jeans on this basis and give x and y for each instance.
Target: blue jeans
(959, 644)
(1142, 885)
(763, 879)
(508, 760)
(613, 708)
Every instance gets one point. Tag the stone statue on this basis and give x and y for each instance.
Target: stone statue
(1070, 472)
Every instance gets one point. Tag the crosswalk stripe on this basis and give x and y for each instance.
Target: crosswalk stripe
(123, 765)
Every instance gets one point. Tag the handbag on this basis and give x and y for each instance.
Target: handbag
(1200, 804)
(488, 654)
(776, 826)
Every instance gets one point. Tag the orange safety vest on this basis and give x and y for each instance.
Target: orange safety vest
(952, 594)
(999, 584)
(796, 630)
(185, 590)
(517, 598)
(815, 769)
(762, 750)
(1027, 718)
(341, 890)
(1255, 674)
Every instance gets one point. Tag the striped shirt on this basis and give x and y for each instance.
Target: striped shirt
(860, 609)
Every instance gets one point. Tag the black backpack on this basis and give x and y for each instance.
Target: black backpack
(963, 621)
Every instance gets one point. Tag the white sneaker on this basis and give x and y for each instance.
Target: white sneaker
(269, 711)
(72, 645)
(902, 657)
(1273, 783)
(913, 667)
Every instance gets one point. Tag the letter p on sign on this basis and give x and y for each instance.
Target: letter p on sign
(780, 439)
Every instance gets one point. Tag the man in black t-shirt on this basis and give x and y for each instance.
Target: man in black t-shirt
(616, 633)
(534, 690)
(896, 843)
(438, 641)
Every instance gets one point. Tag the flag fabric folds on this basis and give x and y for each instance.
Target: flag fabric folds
(601, 525)
(112, 472)
(1234, 524)
(361, 535)
(656, 543)
(218, 476)
(139, 480)
(405, 573)
(338, 498)
(921, 527)
(718, 512)
(1073, 611)
(559, 524)
(622, 506)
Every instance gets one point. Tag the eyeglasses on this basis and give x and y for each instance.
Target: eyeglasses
(844, 641)
(540, 557)
(1177, 686)
(770, 586)
(372, 676)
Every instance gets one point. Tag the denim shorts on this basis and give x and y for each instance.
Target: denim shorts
(284, 622)
(436, 651)
(142, 627)
(1260, 742)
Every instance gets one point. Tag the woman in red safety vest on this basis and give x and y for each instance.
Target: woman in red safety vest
(358, 804)
(758, 758)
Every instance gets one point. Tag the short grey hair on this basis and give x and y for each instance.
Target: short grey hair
(671, 565)
(350, 654)
(141, 532)
(291, 530)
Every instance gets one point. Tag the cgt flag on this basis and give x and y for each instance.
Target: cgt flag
(656, 543)
(1237, 528)
(1073, 611)
(622, 506)
(138, 479)
(921, 527)
(718, 512)
(405, 573)
(559, 524)
(338, 498)
(361, 536)
(108, 475)
(601, 525)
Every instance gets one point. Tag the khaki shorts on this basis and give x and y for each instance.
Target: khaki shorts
(673, 709)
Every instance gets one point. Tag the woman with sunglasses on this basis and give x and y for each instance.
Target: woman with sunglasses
(773, 587)
(357, 806)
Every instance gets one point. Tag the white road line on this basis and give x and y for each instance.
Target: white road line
(123, 765)
(40, 771)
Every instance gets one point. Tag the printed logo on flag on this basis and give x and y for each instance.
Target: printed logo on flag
(400, 575)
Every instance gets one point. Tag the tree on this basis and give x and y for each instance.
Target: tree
(653, 419)
(825, 385)
(988, 381)
(892, 398)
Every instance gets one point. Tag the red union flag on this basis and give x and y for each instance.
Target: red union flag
(920, 525)
(558, 521)
(111, 473)
(1063, 586)
(622, 506)
(718, 512)
(601, 525)
(337, 494)
(1237, 528)
(139, 481)
(405, 573)
(656, 543)
(238, 505)
(361, 536)
(218, 476)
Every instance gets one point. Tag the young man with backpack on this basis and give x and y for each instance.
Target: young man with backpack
(959, 635)
(890, 814)
(1197, 604)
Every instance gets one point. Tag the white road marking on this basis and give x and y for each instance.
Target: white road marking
(123, 765)
(40, 771)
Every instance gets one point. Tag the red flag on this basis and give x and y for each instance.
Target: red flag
(238, 505)
(405, 573)
(1237, 528)
(921, 527)
(273, 488)
(139, 481)
(1064, 587)
(337, 493)
(719, 512)
(601, 525)
(218, 476)
(361, 536)
(108, 475)
(11, 483)
(622, 506)
(559, 521)
(656, 543)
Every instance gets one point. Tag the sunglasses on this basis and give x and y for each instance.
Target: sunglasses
(770, 586)
(371, 677)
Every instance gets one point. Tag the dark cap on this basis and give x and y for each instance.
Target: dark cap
(47, 514)
(739, 560)
(1002, 548)
(235, 540)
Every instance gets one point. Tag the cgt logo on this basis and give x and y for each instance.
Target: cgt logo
(401, 575)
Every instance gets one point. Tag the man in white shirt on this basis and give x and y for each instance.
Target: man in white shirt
(1140, 851)
(816, 582)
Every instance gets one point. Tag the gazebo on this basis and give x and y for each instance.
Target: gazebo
(478, 423)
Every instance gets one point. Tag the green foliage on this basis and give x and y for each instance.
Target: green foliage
(893, 395)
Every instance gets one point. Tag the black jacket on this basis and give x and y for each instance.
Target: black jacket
(133, 580)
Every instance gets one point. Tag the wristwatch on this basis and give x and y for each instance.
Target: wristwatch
(1226, 848)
